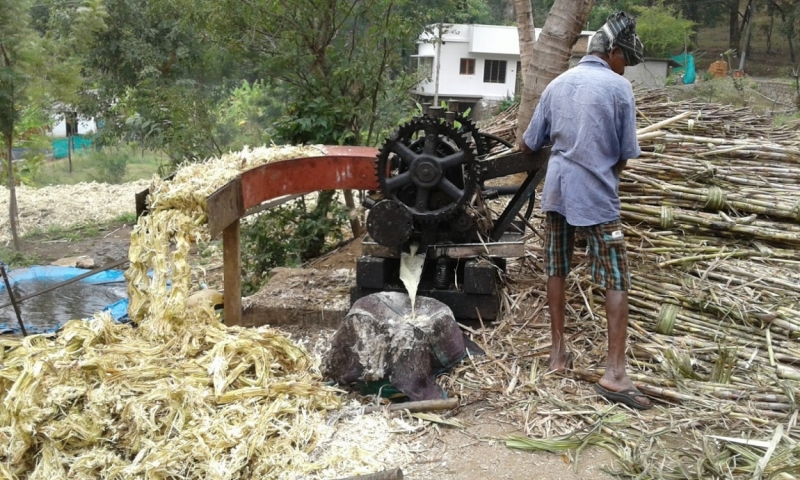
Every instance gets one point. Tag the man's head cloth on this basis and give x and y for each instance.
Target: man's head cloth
(619, 31)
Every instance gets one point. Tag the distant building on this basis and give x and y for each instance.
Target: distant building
(480, 65)
(79, 125)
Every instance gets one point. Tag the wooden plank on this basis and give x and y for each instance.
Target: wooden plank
(225, 206)
(510, 163)
(468, 250)
(509, 246)
(232, 274)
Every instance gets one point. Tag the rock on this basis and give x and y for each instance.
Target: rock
(300, 296)
(86, 262)
(379, 341)
(204, 296)
(79, 262)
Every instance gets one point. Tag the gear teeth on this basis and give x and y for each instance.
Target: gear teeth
(464, 140)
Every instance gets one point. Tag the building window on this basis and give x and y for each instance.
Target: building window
(425, 68)
(494, 71)
(467, 66)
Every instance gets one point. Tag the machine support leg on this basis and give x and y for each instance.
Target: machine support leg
(524, 194)
(13, 300)
(232, 274)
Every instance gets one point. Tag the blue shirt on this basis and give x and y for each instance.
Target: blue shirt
(589, 115)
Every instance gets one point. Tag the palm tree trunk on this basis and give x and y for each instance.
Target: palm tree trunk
(551, 52)
(527, 35)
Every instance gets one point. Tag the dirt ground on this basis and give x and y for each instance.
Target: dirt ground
(110, 244)
(473, 453)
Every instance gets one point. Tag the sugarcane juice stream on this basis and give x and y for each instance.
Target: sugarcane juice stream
(411, 272)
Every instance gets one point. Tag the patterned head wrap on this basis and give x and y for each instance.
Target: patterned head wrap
(620, 31)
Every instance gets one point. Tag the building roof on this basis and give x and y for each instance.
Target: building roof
(485, 39)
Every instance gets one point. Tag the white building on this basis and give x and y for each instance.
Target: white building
(480, 64)
(85, 126)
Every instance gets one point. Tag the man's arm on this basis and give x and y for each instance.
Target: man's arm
(620, 166)
(537, 134)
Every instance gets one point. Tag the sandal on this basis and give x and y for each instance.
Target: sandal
(625, 397)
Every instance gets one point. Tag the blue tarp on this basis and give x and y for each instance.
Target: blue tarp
(687, 67)
(55, 274)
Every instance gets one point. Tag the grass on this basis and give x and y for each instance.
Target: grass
(724, 91)
(79, 232)
(13, 258)
(87, 167)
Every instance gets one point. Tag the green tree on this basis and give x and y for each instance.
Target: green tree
(340, 64)
(244, 118)
(37, 68)
(155, 79)
(705, 12)
(604, 8)
(789, 13)
(663, 29)
(501, 12)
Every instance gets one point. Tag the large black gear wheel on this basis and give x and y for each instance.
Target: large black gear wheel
(466, 128)
(429, 167)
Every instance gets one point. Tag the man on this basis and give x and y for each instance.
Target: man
(589, 115)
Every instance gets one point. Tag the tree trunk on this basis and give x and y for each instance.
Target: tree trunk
(771, 25)
(734, 34)
(12, 191)
(527, 35)
(439, 34)
(749, 17)
(551, 52)
(316, 240)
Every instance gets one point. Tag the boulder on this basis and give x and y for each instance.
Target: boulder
(380, 341)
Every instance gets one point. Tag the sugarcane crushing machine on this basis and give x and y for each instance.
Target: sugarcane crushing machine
(434, 175)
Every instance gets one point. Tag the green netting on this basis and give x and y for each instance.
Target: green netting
(687, 67)
(78, 142)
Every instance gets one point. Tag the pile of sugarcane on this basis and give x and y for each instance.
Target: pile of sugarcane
(504, 124)
(711, 213)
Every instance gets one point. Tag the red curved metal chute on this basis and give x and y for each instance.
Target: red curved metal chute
(341, 168)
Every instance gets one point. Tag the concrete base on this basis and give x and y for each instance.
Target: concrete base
(306, 297)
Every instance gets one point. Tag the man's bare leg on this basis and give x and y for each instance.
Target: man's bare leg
(556, 303)
(616, 378)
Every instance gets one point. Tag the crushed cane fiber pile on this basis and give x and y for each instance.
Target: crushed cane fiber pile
(180, 395)
(68, 205)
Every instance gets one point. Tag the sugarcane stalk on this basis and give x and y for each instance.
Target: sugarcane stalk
(663, 123)
(768, 409)
(653, 215)
(694, 325)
